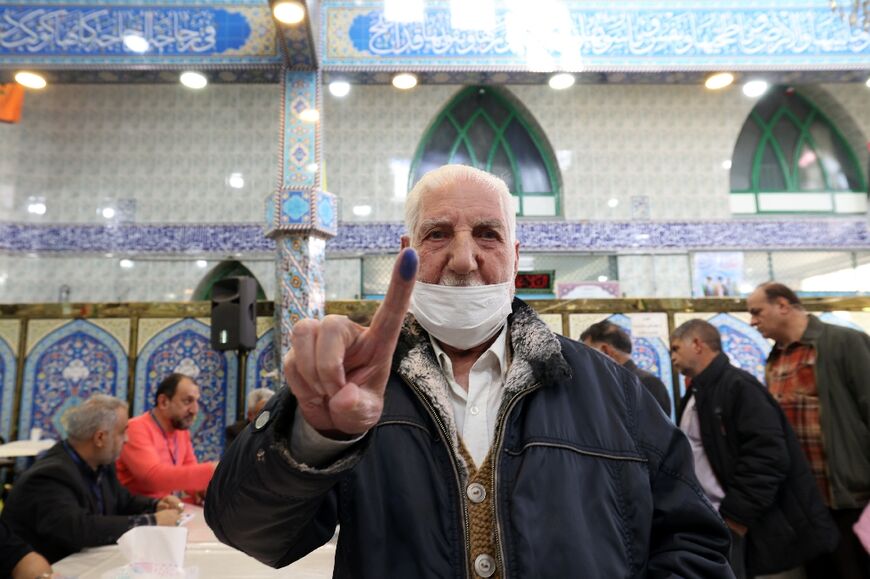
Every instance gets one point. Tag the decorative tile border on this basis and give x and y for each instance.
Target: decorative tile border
(677, 35)
(550, 236)
(92, 35)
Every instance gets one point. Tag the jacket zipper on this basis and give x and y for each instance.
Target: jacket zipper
(446, 438)
(499, 438)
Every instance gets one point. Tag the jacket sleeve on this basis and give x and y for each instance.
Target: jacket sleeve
(153, 475)
(128, 503)
(265, 503)
(659, 391)
(856, 356)
(61, 519)
(762, 461)
(688, 539)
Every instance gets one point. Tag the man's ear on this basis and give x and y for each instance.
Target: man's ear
(100, 438)
(406, 242)
(607, 350)
(516, 258)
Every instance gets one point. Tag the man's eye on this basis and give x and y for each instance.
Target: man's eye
(436, 235)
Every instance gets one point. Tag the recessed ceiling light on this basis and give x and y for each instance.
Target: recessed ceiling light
(126, 263)
(30, 80)
(36, 207)
(339, 88)
(404, 81)
(755, 88)
(719, 80)
(289, 12)
(107, 212)
(362, 210)
(613, 202)
(310, 115)
(726, 164)
(602, 278)
(136, 43)
(193, 80)
(236, 180)
(200, 263)
(561, 81)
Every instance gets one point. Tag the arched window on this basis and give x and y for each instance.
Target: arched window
(223, 270)
(487, 128)
(790, 157)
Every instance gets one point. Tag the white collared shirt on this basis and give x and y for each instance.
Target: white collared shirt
(476, 410)
(692, 429)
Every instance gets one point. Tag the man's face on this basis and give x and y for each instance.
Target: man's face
(765, 316)
(462, 238)
(183, 407)
(114, 439)
(684, 355)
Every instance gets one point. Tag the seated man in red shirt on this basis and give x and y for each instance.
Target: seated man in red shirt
(158, 458)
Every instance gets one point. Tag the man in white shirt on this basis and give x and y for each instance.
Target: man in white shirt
(466, 439)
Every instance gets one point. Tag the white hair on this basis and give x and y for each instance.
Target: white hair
(99, 412)
(451, 176)
(258, 395)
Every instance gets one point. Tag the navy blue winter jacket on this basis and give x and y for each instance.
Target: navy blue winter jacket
(591, 479)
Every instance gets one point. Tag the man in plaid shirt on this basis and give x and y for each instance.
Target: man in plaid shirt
(820, 375)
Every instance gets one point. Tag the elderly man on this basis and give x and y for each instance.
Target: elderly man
(257, 399)
(748, 459)
(820, 375)
(158, 458)
(614, 342)
(466, 440)
(71, 498)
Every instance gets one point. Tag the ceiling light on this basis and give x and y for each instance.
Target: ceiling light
(36, 207)
(136, 43)
(719, 80)
(868, 83)
(193, 80)
(125, 263)
(602, 278)
(561, 81)
(726, 164)
(613, 202)
(310, 115)
(362, 210)
(236, 180)
(202, 264)
(755, 88)
(107, 212)
(339, 88)
(289, 12)
(477, 15)
(30, 80)
(404, 81)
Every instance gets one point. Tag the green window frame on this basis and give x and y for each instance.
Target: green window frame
(792, 116)
(501, 119)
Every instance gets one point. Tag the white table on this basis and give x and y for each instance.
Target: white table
(21, 448)
(214, 559)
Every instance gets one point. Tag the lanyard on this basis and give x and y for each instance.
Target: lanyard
(172, 454)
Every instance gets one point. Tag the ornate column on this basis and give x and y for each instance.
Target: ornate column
(300, 217)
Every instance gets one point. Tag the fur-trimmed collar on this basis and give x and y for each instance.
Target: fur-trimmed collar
(536, 358)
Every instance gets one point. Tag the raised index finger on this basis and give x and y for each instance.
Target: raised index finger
(387, 321)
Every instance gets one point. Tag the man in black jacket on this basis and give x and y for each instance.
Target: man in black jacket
(613, 341)
(466, 440)
(71, 498)
(748, 459)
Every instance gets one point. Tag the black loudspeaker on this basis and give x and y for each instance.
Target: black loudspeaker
(233, 314)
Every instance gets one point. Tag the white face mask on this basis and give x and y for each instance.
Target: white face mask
(462, 316)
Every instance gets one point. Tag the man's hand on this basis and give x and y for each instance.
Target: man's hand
(168, 517)
(338, 370)
(170, 502)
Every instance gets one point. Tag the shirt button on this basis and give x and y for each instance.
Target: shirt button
(262, 420)
(474, 410)
(476, 493)
(484, 566)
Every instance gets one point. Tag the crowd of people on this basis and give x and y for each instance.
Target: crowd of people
(467, 439)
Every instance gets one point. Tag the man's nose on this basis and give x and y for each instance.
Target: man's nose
(463, 254)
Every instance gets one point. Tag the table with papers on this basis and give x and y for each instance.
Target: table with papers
(214, 559)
